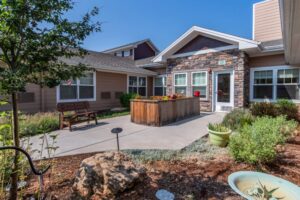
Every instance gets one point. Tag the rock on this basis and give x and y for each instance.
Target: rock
(106, 174)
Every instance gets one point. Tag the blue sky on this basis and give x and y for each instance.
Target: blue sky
(163, 21)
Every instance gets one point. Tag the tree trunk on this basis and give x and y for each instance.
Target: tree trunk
(13, 193)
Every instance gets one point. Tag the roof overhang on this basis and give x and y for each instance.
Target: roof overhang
(133, 45)
(290, 21)
(241, 43)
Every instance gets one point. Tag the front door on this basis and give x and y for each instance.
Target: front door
(223, 91)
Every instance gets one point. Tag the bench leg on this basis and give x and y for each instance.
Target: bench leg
(96, 121)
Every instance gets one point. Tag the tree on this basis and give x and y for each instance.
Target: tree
(34, 37)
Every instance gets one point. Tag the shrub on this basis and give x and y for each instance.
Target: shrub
(38, 123)
(237, 119)
(263, 109)
(217, 127)
(287, 108)
(125, 99)
(255, 144)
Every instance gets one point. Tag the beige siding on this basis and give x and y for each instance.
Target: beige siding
(105, 82)
(264, 61)
(267, 25)
(108, 82)
(159, 71)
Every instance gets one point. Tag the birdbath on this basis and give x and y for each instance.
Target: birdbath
(252, 185)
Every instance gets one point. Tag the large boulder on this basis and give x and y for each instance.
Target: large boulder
(106, 174)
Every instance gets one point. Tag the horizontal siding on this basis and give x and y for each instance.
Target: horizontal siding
(267, 24)
(108, 82)
(264, 61)
(105, 82)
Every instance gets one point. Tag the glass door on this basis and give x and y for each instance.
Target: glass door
(224, 91)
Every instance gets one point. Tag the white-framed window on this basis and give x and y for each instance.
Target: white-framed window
(263, 84)
(126, 53)
(119, 54)
(160, 85)
(180, 83)
(199, 83)
(80, 89)
(138, 85)
(272, 83)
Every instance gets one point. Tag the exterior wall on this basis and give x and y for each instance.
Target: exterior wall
(150, 86)
(209, 62)
(264, 61)
(105, 82)
(201, 43)
(266, 19)
(143, 51)
(108, 82)
(159, 71)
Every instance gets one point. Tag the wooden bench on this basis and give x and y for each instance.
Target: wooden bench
(75, 112)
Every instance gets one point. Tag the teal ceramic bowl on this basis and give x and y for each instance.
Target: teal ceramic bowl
(243, 181)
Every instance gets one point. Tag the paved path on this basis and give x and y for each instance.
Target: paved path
(86, 139)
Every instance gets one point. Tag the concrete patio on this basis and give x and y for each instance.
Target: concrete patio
(90, 138)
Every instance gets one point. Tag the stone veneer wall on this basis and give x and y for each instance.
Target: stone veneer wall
(235, 59)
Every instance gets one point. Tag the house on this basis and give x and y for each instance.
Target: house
(229, 71)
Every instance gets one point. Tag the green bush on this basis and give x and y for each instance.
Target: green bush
(281, 107)
(255, 144)
(125, 99)
(287, 108)
(38, 123)
(217, 127)
(261, 109)
(237, 119)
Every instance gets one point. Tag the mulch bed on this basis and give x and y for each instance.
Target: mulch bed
(187, 179)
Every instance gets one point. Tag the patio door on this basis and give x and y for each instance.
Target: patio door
(223, 91)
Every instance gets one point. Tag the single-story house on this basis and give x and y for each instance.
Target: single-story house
(229, 71)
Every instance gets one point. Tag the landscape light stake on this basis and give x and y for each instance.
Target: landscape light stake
(117, 131)
(39, 173)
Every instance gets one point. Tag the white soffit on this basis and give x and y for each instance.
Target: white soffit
(242, 43)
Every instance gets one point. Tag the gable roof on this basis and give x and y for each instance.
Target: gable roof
(110, 63)
(147, 62)
(132, 45)
(193, 32)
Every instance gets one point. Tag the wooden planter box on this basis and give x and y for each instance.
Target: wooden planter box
(159, 113)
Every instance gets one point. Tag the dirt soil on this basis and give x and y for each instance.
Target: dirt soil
(187, 179)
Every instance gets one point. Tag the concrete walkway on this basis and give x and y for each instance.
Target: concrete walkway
(86, 139)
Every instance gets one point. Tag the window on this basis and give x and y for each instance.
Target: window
(275, 83)
(160, 85)
(119, 54)
(137, 85)
(180, 83)
(287, 84)
(127, 53)
(199, 83)
(263, 84)
(79, 89)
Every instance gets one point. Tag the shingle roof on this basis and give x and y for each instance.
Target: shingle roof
(106, 62)
(147, 62)
(132, 45)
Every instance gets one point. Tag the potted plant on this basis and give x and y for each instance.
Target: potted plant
(218, 134)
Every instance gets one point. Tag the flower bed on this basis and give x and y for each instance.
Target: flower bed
(159, 112)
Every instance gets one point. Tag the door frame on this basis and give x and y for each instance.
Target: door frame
(214, 89)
